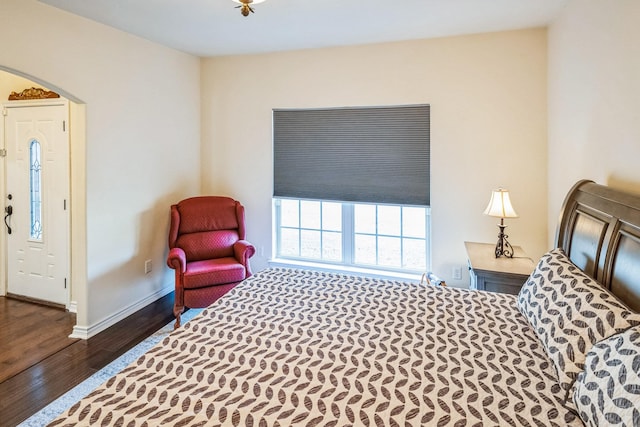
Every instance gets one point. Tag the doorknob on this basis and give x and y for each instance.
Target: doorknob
(9, 211)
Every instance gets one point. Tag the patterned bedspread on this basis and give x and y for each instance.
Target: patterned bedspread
(292, 347)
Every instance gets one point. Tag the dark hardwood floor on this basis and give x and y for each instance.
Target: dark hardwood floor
(27, 392)
(30, 333)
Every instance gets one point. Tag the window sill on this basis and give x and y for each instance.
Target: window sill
(330, 268)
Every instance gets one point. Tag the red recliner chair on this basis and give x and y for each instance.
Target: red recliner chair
(207, 250)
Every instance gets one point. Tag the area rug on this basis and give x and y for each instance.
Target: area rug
(61, 404)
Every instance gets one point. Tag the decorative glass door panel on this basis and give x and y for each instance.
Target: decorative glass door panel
(35, 195)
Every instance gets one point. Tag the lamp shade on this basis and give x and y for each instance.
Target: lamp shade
(500, 205)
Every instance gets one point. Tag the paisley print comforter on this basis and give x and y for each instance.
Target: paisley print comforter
(292, 347)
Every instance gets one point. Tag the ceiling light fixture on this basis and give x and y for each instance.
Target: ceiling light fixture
(245, 6)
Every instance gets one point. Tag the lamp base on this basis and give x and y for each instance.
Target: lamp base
(503, 247)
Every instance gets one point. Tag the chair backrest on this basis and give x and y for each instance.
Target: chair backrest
(206, 227)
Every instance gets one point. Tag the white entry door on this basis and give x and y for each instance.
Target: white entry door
(37, 189)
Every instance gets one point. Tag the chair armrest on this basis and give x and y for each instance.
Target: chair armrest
(244, 250)
(177, 259)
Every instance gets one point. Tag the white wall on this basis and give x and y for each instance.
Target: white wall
(142, 104)
(594, 90)
(488, 126)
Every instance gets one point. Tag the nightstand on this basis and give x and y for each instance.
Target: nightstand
(506, 275)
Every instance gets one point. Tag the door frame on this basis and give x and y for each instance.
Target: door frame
(3, 183)
(78, 273)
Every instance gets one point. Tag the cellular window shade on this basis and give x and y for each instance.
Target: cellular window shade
(371, 154)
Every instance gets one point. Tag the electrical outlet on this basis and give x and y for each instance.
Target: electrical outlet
(147, 266)
(456, 273)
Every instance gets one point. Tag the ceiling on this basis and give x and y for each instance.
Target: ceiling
(214, 27)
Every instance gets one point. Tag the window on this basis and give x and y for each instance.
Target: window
(390, 236)
(352, 186)
(310, 229)
(375, 236)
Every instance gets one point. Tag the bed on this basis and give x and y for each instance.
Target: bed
(294, 347)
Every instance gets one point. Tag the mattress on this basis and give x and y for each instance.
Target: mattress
(293, 347)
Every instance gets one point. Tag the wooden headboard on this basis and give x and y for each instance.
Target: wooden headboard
(599, 229)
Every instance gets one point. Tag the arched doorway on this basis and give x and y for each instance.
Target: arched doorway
(12, 80)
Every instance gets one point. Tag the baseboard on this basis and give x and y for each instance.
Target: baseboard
(86, 332)
(73, 307)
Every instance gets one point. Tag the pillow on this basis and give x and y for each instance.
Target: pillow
(607, 392)
(569, 313)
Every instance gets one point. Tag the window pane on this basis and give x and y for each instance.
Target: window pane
(414, 254)
(332, 216)
(365, 250)
(310, 246)
(289, 211)
(389, 220)
(332, 246)
(365, 219)
(310, 214)
(413, 222)
(289, 242)
(389, 251)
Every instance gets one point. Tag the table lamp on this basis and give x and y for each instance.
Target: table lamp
(500, 207)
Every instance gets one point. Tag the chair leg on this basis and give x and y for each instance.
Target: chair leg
(177, 311)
